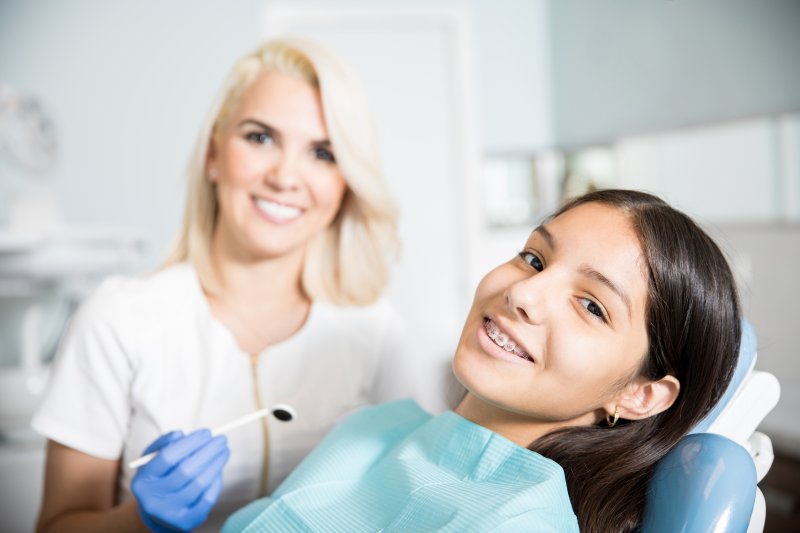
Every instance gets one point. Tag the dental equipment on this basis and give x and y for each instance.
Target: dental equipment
(281, 411)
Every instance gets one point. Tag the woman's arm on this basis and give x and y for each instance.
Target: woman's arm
(79, 492)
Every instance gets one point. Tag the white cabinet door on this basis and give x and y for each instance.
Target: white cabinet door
(415, 66)
(21, 484)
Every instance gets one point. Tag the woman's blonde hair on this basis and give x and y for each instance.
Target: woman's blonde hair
(348, 263)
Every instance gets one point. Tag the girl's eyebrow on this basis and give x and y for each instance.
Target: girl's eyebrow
(588, 271)
(546, 235)
(591, 273)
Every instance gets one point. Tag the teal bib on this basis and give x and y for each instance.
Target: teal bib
(395, 467)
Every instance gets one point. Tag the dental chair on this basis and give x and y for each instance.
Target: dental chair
(708, 482)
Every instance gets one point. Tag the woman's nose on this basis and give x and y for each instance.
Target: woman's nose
(526, 299)
(283, 174)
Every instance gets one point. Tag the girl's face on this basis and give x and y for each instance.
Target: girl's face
(556, 333)
(278, 184)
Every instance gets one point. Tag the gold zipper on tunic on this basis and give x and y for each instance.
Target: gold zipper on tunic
(262, 488)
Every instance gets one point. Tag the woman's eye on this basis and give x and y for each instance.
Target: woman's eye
(533, 260)
(259, 137)
(593, 308)
(324, 154)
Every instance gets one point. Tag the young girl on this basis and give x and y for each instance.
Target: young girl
(586, 358)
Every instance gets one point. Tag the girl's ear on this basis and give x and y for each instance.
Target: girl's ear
(643, 399)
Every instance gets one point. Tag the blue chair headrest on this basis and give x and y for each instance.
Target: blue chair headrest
(706, 483)
(747, 359)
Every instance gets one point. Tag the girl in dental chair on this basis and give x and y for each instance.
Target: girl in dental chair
(586, 358)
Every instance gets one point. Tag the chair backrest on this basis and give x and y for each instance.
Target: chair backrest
(708, 481)
(747, 360)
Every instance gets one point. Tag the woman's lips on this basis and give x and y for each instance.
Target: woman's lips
(276, 211)
(503, 340)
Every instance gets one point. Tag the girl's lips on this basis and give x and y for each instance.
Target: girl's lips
(488, 337)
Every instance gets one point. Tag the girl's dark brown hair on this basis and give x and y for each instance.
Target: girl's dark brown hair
(693, 330)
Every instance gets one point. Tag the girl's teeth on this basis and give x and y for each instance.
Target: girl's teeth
(502, 340)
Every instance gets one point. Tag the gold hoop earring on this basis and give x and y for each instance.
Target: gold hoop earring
(612, 422)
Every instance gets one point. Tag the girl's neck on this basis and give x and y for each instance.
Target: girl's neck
(520, 429)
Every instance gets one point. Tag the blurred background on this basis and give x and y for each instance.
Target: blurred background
(489, 113)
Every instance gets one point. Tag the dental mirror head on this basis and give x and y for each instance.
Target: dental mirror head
(283, 412)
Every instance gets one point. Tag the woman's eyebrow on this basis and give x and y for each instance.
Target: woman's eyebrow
(591, 273)
(322, 143)
(266, 127)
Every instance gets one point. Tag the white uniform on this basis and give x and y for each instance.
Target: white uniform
(144, 356)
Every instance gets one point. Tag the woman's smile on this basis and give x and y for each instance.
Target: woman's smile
(277, 183)
(277, 212)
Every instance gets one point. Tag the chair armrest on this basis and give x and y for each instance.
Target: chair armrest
(760, 448)
(759, 514)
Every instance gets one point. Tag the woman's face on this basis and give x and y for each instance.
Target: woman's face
(278, 184)
(557, 331)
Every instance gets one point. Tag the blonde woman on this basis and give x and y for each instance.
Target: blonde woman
(271, 295)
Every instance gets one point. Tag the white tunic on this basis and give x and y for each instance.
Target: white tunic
(144, 356)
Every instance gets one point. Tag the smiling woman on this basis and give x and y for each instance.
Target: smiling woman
(271, 295)
(586, 357)
(278, 185)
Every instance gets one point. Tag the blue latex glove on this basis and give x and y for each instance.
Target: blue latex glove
(179, 487)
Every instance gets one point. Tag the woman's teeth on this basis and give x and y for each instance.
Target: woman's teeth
(276, 210)
(500, 338)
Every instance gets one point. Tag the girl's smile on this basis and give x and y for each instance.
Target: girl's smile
(491, 337)
(552, 328)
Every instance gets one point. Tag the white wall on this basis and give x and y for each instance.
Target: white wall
(631, 66)
(127, 84)
(765, 259)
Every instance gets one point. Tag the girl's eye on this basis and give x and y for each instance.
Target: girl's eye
(259, 137)
(324, 154)
(592, 308)
(533, 260)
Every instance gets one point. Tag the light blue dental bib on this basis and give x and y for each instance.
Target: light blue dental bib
(395, 467)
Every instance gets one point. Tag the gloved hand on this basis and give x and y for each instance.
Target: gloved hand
(179, 487)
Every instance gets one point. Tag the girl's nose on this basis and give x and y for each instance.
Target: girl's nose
(526, 299)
